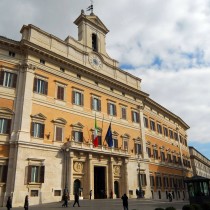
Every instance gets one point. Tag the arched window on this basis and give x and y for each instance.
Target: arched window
(94, 43)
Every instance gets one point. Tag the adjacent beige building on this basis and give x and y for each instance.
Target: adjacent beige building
(200, 163)
(51, 92)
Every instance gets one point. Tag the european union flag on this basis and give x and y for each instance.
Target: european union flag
(108, 137)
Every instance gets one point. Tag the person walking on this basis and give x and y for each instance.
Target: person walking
(170, 196)
(9, 203)
(111, 194)
(26, 203)
(65, 199)
(90, 194)
(125, 201)
(76, 199)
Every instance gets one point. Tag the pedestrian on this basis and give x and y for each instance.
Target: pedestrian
(65, 199)
(170, 196)
(76, 199)
(90, 194)
(26, 203)
(111, 194)
(137, 193)
(9, 203)
(125, 201)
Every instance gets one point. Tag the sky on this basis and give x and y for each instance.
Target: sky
(164, 42)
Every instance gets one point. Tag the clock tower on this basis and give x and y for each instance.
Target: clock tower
(92, 34)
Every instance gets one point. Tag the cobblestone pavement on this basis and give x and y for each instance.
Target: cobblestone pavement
(109, 204)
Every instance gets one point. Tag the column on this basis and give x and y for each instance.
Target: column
(142, 131)
(111, 178)
(90, 174)
(126, 176)
(70, 175)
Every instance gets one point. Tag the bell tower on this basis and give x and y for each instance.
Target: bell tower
(92, 32)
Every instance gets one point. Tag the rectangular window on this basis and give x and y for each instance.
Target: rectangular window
(78, 98)
(152, 181)
(155, 153)
(58, 133)
(125, 144)
(3, 173)
(99, 140)
(152, 125)
(37, 130)
(175, 136)
(159, 128)
(158, 181)
(57, 192)
(135, 116)
(162, 155)
(146, 124)
(165, 130)
(36, 174)
(112, 109)
(148, 151)
(11, 54)
(179, 161)
(40, 86)
(42, 61)
(5, 125)
(138, 149)
(123, 113)
(165, 182)
(8, 79)
(96, 104)
(60, 92)
(143, 180)
(171, 134)
(78, 136)
(174, 159)
(115, 143)
(169, 158)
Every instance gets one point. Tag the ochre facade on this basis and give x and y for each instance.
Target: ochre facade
(52, 92)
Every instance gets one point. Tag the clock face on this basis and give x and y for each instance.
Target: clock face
(95, 61)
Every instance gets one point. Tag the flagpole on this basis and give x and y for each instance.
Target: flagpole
(102, 128)
(109, 123)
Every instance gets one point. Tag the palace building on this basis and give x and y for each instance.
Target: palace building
(54, 95)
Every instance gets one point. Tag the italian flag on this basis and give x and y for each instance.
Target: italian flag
(95, 140)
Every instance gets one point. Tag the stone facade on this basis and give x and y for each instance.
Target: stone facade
(52, 92)
(200, 163)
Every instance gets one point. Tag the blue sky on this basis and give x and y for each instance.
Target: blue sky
(165, 43)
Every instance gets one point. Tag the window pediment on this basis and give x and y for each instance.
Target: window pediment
(126, 136)
(6, 111)
(114, 133)
(77, 125)
(39, 117)
(60, 121)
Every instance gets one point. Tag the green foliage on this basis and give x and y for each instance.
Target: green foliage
(188, 207)
(159, 209)
(197, 207)
(170, 208)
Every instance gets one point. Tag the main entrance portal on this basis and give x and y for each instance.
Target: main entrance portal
(99, 182)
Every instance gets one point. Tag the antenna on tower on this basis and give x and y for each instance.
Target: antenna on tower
(90, 7)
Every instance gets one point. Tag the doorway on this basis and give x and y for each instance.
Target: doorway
(116, 189)
(77, 186)
(99, 182)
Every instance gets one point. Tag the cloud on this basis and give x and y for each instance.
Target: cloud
(166, 43)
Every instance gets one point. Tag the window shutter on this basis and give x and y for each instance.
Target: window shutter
(14, 80)
(73, 135)
(59, 134)
(4, 175)
(32, 128)
(42, 173)
(92, 103)
(132, 114)
(81, 136)
(29, 173)
(1, 77)
(82, 99)
(58, 93)
(73, 97)
(115, 110)
(137, 116)
(8, 126)
(35, 84)
(46, 88)
(145, 179)
(108, 108)
(42, 131)
(99, 105)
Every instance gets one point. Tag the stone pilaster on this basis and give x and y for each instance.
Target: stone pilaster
(111, 177)
(23, 103)
(126, 176)
(70, 177)
(90, 174)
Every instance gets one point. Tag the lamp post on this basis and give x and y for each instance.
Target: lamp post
(139, 177)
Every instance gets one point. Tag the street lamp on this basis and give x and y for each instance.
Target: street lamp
(139, 176)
